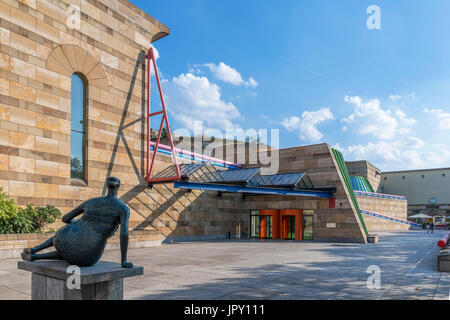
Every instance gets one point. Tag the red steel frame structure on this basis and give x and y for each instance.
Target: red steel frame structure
(151, 60)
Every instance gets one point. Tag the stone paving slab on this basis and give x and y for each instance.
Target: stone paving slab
(274, 270)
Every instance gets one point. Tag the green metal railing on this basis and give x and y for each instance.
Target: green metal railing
(361, 184)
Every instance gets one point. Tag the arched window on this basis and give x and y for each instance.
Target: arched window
(78, 129)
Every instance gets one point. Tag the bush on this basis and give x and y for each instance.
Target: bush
(14, 219)
(45, 215)
(8, 212)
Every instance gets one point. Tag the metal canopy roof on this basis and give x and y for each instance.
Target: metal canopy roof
(205, 176)
(186, 170)
(286, 180)
(240, 176)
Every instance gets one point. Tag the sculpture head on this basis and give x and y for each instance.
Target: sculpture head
(113, 185)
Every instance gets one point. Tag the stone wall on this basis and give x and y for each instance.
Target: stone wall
(389, 207)
(367, 170)
(426, 190)
(186, 216)
(12, 245)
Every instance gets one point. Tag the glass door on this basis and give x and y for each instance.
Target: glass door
(289, 227)
(308, 225)
(265, 227)
(254, 223)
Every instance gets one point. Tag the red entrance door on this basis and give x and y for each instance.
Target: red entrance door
(292, 224)
(269, 224)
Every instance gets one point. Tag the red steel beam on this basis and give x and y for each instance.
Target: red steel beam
(150, 162)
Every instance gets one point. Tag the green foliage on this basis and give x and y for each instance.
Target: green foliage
(164, 134)
(24, 220)
(45, 215)
(8, 212)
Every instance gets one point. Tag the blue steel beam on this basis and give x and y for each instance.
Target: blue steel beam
(251, 190)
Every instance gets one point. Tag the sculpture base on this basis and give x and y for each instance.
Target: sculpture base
(54, 280)
(444, 260)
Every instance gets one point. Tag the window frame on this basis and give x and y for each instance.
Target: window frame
(84, 161)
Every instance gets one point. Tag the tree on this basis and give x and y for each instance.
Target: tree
(76, 169)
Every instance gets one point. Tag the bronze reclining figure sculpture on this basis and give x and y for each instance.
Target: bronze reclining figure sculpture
(82, 241)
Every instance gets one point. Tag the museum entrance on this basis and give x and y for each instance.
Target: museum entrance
(287, 224)
(261, 225)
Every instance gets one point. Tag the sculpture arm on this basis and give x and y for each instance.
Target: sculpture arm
(124, 218)
(73, 214)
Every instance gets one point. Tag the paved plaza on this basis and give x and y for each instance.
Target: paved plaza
(274, 270)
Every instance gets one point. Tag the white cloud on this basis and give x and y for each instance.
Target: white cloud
(405, 154)
(307, 125)
(291, 123)
(440, 158)
(397, 155)
(252, 82)
(414, 143)
(192, 98)
(403, 119)
(228, 74)
(369, 118)
(442, 118)
(395, 97)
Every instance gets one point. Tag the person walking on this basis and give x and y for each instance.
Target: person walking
(432, 227)
(428, 227)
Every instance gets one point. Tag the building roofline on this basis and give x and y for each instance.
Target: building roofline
(368, 163)
(304, 146)
(164, 30)
(416, 170)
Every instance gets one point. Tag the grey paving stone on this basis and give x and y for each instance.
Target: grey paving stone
(273, 270)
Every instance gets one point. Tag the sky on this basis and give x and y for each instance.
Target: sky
(371, 83)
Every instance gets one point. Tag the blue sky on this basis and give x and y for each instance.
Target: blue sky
(315, 71)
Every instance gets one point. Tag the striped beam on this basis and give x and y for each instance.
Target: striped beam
(251, 190)
(384, 217)
(379, 195)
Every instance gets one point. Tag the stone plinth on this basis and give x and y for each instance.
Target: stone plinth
(372, 239)
(444, 260)
(103, 281)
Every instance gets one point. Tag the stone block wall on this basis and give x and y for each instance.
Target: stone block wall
(180, 215)
(367, 170)
(12, 245)
(390, 207)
